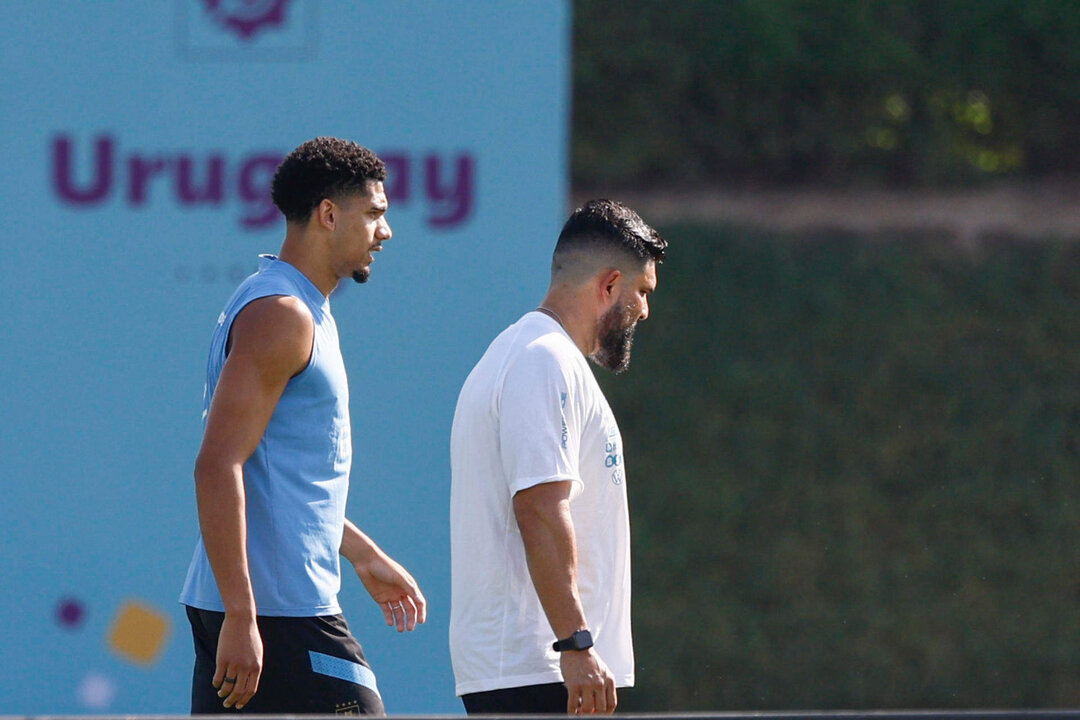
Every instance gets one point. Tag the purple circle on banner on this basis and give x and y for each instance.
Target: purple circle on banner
(70, 613)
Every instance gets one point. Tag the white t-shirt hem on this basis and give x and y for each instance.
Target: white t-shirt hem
(513, 681)
(476, 686)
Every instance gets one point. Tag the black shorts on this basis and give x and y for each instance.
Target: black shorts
(529, 699)
(311, 665)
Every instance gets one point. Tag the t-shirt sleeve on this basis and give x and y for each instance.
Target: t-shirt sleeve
(539, 432)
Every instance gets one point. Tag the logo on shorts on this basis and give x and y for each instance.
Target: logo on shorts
(350, 708)
(247, 17)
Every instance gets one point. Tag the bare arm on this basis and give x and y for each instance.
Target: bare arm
(390, 585)
(270, 342)
(547, 530)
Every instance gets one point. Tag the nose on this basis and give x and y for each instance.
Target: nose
(384, 232)
(644, 309)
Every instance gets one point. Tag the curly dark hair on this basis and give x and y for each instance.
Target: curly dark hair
(610, 224)
(325, 167)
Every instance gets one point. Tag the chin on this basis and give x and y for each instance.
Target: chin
(362, 275)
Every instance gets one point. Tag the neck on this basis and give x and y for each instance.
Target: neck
(552, 314)
(299, 251)
(573, 316)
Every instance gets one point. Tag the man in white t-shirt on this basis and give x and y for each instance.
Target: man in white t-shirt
(539, 527)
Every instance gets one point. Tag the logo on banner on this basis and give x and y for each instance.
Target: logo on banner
(247, 17)
(255, 30)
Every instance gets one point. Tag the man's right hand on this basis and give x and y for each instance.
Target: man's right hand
(239, 660)
(589, 682)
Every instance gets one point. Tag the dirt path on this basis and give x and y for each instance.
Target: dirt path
(1036, 211)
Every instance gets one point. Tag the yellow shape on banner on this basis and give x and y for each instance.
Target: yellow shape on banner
(138, 633)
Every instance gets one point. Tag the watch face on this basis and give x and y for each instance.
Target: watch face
(581, 640)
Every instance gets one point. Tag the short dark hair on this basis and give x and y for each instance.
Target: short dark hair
(325, 167)
(610, 225)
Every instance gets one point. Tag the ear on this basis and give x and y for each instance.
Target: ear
(326, 214)
(608, 285)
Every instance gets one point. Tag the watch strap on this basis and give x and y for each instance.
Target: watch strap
(580, 640)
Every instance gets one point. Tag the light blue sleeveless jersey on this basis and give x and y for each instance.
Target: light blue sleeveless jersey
(297, 481)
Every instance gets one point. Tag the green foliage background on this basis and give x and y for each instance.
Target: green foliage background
(853, 474)
(837, 91)
(853, 461)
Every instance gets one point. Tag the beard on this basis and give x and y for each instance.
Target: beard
(361, 275)
(616, 337)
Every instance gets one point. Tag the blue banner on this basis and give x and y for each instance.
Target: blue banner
(140, 139)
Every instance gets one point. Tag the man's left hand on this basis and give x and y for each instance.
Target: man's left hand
(394, 589)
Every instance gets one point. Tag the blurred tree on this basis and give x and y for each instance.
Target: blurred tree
(912, 92)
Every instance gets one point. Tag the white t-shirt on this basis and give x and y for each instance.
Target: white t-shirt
(531, 412)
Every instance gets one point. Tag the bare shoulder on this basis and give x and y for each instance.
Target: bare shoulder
(275, 332)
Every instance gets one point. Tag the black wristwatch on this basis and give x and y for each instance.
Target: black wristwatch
(581, 640)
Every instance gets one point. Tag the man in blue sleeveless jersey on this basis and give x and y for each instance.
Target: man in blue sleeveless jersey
(272, 474)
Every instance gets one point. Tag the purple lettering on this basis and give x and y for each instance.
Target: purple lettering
(63, 180)
(448, 190)
(256, 176)
(456, 201)
(213, 191)
(140, 172)
(397, 176)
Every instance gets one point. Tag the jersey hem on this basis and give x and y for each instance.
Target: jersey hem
(268, 612)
